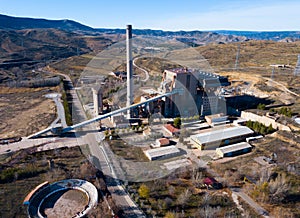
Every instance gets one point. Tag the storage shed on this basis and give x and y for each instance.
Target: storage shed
(233, 150)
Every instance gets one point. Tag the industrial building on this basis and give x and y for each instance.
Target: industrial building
(119, 75)
(154, 106)
(216, 119)
(213, 139)
(233, 150)
(162, 142)
(171, 130)
(98, 101)
(195, 125)
(198, 96)
(162, 152)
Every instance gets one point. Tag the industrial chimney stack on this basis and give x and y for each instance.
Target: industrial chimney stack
(129, 68)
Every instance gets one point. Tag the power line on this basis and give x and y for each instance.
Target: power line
(272, 76)
(297, 68)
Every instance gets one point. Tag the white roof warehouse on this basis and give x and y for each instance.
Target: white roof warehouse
(216, 138)
(163, 152)
(233, 150)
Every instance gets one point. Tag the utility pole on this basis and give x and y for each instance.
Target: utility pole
(297, 68)
(272, 76)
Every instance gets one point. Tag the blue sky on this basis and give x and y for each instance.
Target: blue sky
(165, 14)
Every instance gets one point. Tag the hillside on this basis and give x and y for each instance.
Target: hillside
(252, 54)
(56, 40)
(41, 44)
(18, 23)
(21, 50)
(196, 37)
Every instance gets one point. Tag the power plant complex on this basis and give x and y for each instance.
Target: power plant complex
(194, 91)
(183, 92)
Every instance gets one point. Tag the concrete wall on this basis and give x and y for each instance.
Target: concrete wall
(264, 120)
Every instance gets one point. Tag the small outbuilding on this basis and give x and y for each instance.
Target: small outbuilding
(216, 119)
(234, 150)
(162, 153)
(171, 130)
(212, 183)
(162, 142)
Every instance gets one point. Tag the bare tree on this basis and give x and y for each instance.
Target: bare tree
(209, 212)
(279, 188)
(265, 175)
(171, 190)
(183, 197)
(206, 198)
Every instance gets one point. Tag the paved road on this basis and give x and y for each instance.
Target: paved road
(142, 69)
(60, 109)
(100, 159)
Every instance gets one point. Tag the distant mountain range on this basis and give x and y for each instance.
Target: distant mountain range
(26, 41)
(264, 35)
(223, 36)
(19, 23)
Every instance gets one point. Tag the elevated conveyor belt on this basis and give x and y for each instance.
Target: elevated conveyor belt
(101, 117)
(40, 133)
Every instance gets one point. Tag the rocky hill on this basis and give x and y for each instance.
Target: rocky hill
(18, 23)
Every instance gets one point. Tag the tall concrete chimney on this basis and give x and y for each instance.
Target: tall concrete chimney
(129, 68)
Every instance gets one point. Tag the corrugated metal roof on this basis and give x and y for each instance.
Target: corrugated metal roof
(221, 134)
(157, 152)
(234, 147)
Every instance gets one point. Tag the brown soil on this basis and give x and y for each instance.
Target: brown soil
(67, 205)
(25, 111)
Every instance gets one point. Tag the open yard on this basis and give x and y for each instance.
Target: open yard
(25, 110)
(268, 183)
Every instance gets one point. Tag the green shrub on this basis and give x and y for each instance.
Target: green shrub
(144, 191)
(11, 174)
(259, 127)
(261, 106)
(177, 122)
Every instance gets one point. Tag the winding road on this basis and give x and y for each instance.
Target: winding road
(142, 69)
